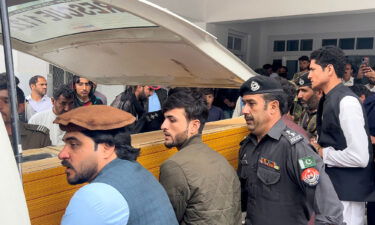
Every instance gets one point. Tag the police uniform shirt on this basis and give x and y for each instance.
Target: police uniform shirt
(34, 136)
(286, 181)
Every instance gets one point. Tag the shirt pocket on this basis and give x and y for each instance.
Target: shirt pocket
(268, 186)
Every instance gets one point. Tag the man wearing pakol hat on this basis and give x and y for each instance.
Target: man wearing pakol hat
(120, 191)
(283, 177)
(309, 98)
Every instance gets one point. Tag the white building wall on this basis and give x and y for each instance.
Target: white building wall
(25, 66)
(223, 10)
(263, 33)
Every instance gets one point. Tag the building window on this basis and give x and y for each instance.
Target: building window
(279, 46)
(346, 43)
(365, 43)
(326, 42)
(292, 66)
(306, 45)
(59, 76)
(292, 45)
(277, 62)
(237, 44)
(234, 43)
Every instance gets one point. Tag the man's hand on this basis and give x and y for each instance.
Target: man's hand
(369, 72)
(318, 148)
(229, 103)
(361, 72)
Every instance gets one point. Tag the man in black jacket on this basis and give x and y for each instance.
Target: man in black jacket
(133, 100)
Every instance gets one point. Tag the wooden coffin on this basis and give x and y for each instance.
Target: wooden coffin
(48, 193)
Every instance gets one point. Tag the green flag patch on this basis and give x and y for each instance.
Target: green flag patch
(307, 162)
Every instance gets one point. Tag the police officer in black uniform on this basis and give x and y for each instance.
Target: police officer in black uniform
(283, 177)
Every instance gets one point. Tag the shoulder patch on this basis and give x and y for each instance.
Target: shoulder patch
(42, 129)
(292, 136)
(39, 128)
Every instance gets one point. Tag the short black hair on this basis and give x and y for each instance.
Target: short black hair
(34, 79)
(20, 94)
(360, 89)
(119, 138)
(304, 58)
(267, 66)
(260, 71)
(276, 67)
(63, 90)
(286, 68)
(289, 89)
(330, 55)
(4, 78)
(208, 91)
(192, 101)
(281, 97)
(177, 89)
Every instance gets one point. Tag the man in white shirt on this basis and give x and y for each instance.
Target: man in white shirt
(343, 137)
(62, 102)
(37, 101)
(348, 79)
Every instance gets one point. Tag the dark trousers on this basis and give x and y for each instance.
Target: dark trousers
(371, 213)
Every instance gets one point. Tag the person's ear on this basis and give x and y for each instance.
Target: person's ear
(330, 70)
(194, 127)
(106, 150)
(274, 106)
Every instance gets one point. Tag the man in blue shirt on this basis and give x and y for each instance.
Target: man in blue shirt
(120, 191)
(214, 112)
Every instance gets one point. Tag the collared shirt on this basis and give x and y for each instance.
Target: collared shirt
(154, 103)
(273, 175)
(46, 119)
(348, 83)
(237, 112)
(372, 89)
(33, 136)
(33, 106)
(215, 114)
(97, 204)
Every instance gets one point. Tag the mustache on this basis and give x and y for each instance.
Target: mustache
(66, 164)
(248, 117)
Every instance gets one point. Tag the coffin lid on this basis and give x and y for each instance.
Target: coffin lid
(124, 42)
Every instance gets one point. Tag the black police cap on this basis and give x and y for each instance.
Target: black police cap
(260, 85)
(303, 80)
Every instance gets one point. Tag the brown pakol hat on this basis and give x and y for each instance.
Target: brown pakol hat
(94, 117)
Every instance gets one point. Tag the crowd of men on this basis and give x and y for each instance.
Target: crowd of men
(308, 158)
